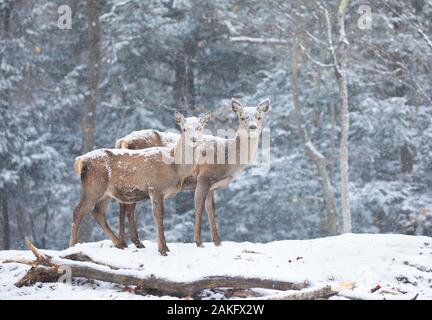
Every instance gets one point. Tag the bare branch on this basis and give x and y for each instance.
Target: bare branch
(258, 40)
(318, 63)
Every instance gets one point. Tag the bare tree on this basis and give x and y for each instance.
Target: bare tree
(90, 101)
(328, 219)
(340, 72)
(328, 222)
(339, 57)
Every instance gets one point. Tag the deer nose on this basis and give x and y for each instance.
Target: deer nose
(253, 127)
(194, 139)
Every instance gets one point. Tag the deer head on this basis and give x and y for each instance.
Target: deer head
(250, 118)
(192, 127)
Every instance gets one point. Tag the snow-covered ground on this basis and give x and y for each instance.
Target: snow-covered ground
(379, 266)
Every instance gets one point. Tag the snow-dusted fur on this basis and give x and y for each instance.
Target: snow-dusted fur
(133, 175)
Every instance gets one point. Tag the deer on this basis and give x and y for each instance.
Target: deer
(211, 175)
(129, 176)
(143, 139)
(136, 140)
(150, 138)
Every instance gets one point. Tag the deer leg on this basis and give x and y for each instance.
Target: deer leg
(99, 214)
(122, 217)
(210, 208)
(157, 204)
(203, 186)
(132, 225)
(79, 212)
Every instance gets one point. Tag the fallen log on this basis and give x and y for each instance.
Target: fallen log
(314, 293)
(49, 269)
(38, 274)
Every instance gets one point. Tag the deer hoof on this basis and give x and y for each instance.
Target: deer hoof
(121, 245)
(163, 253)
(139, 244)
(199, 244)
(217, 243)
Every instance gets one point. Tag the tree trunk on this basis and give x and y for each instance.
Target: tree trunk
(328, 222)
(184, 96)
(91, 96)
(184, 89)
(5, 237)
(406, 158)
(5, 18)
(5, 15)
(184, 85)
(340, 72)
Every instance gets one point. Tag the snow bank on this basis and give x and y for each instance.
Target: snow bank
(380, 266)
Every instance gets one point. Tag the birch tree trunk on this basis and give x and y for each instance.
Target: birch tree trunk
(90, 101)
(340, 72)
(328, 222)
(339, 56)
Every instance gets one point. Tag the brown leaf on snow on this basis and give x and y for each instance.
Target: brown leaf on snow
(129, 290)
(376, 288)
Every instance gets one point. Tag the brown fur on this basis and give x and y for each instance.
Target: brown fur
(217, 176)
(131, 176)
(141, 140)
(211, 177)
(134, 141)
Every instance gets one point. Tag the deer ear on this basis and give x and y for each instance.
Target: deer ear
(236, 105)
(179, 118)
(264, 106)
(204, 118)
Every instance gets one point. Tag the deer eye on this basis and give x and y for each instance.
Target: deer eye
(259, 118)
(243, 118)
(184, 130)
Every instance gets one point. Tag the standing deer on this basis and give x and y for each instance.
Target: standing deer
(133, 175)
(213, 175)
(136, 140)
(144, 139)
(150, 138)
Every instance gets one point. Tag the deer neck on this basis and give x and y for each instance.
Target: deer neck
(183, 158)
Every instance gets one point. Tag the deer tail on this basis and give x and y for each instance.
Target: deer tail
(78, 164)
(122, 144)
(119, 143)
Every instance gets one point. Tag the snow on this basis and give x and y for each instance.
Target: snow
(139, 152)
(401, 265)
(100, 153)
